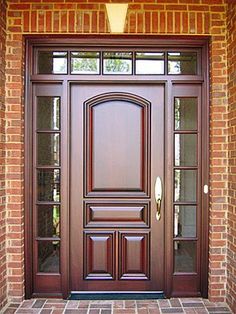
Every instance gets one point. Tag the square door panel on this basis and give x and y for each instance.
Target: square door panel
(134, 255)
(117, 145)
(117, 214)
(99, 255)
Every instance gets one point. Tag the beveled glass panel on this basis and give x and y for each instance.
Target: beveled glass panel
(185, 221)
(48, 185)
(149, 63)
(117, 63)
(186, 113)
(85, 62)
(48, 149)
(48, 256)
(48, 221)
(52, 62)
(185, 149)
(185, 185)
(184, 256)
(48, 113)
(182, 63)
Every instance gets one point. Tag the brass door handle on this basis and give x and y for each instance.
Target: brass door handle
(158, 197)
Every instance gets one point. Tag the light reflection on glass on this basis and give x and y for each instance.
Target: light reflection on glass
(185, 221)
(149, 63)
(117, 63)
(49, 256)
(52, 62)
(48, 220)
(185, 185)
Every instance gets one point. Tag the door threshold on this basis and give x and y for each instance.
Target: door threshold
(116, 295)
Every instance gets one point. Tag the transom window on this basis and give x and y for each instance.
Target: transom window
(118, 62)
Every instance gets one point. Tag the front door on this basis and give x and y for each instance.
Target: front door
(117, 154)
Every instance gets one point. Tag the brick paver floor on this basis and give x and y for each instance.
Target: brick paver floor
(172, 306)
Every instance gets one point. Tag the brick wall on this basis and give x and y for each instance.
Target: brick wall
(188, 17)
(2, 156)
(231, 253)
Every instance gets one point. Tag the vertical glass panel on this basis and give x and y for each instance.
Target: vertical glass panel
(184, 256)
(48, 113)
(149, 63)
(49, 185)
(85, 62)
(185, 149)
(186, 113)
(49, 256)
(48, 149)
(182, 63)
(52, 62)
(185, 185)
(117, 62)
(49, 221)
(185, 221)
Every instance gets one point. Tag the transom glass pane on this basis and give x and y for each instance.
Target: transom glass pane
(185, 221)
(48, 113)
(49, 185)
(49, 256)
(185, 149)
(186, 113)
(184, 256)
(48, 221)
(85, 62)
(185, 185)
(117, 62)
(48, 149)
(182, 63)
(149, 63)
(52, 62)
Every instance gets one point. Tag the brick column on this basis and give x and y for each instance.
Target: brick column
(2, 155)
(231, 231)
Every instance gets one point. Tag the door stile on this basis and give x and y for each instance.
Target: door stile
(168, 230)
(65, 205)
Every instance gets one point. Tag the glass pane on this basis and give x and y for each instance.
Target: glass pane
(185, 185)
(185, 221)
(149, 63)
(48, 256)
(52, 62)
(185, 149)
(85, 62)
(48, 113)
(185, 256)
(48, 221)
(117, 63)
(186, 113)
(49, 185)
(182, 63)
(48, 149)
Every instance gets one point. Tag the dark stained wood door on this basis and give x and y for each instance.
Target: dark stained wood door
(117, 152)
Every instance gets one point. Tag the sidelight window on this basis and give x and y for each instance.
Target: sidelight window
(185, 184)
(48, 173)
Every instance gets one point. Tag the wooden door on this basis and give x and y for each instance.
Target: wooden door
(117, 152)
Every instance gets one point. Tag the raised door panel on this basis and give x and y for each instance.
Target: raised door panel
(117, 128)
(134, 256)
(99, 256)
(115, 215)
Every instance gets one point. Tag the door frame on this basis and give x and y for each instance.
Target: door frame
(124, 41)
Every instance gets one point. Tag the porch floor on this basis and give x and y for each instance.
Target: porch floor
(175, 305)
